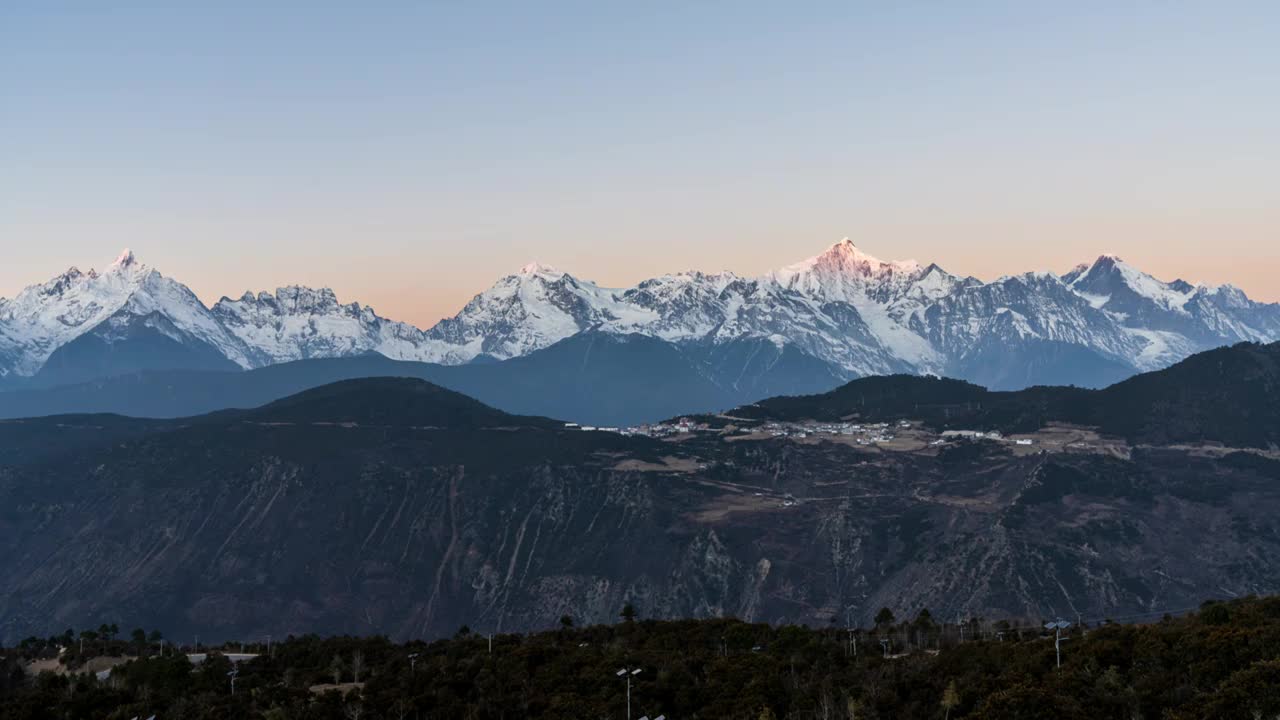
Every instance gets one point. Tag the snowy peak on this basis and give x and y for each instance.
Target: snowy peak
(537, 268)
(124, 261)
(532, 310)
(1074, 273)
(845, 258)
(44, 317)
(844, 273)
(1115, 285)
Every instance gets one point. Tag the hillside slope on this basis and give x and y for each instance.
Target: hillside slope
(393, 506)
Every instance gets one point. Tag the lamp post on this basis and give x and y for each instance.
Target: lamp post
(1057, 628)
(413, 660)
(234, 672)
(628, 673)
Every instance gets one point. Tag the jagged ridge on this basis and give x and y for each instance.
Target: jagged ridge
(862, 316)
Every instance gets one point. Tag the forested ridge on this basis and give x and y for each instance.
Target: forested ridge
(1228, 395)
(1222, 661)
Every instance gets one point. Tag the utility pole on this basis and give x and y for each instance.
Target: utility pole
(490, 643)
(628, 673)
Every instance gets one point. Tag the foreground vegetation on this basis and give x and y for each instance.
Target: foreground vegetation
(1220, 662)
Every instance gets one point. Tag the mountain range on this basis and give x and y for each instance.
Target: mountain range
(394, 506)
(839, 315)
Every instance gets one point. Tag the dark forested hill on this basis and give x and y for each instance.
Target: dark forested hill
(388, 402)
(1228, 395)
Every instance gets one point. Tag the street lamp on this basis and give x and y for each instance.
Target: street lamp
(1057, 628)
(628, 673)
(413, 660)
(885, 644)
(234, 672)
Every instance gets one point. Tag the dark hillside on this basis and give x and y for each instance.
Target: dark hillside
(1228, 395)
(389, 401)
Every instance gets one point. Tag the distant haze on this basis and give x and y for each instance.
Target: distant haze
(410, 155)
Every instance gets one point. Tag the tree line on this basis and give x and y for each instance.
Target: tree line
(1218, 662)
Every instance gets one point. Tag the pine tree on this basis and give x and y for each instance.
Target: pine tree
(336, 667)
(950, 698)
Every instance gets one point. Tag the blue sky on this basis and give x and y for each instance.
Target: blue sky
(407, 154)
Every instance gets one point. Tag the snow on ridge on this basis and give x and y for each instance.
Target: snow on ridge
(1162, 348)
(1151, 288)
(843, 306)
(297, 322)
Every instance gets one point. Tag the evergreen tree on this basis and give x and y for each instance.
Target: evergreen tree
(336, 666)
(950, 699)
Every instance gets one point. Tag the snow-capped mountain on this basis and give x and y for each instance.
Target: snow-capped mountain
(723, 308)
(849, 312)
(885, 294)
(298, 323)
(531, 310)
(43, 318)
(1202, 314)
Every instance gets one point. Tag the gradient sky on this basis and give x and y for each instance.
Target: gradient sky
(408, 155)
